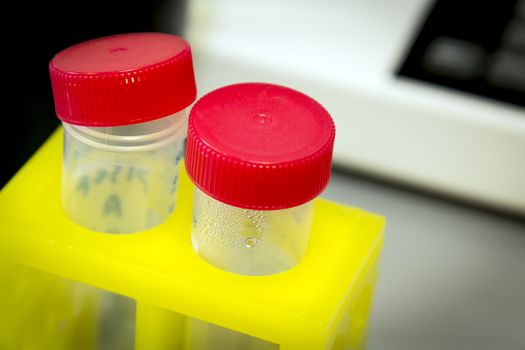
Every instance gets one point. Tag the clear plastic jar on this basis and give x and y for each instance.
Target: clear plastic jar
(122, 101)
(258, 154)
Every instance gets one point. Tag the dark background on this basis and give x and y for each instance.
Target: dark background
(49, 27)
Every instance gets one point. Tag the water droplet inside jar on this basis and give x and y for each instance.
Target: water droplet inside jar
(250, 242)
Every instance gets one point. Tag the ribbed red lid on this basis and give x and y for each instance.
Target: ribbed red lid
(259, 146)
(122, 79)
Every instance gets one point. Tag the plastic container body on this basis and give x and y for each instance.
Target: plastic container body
(259, 154)
(122, 101)
(122, 179)
(250, 242)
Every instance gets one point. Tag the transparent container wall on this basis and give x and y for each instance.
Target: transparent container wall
(162, 329)
(207, 336)
(43, 311)
(122, 179)
(247, 242)
(250, 242)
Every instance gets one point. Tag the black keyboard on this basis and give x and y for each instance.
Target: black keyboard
(472, 46)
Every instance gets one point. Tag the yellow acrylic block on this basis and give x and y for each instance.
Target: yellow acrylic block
(322, 303)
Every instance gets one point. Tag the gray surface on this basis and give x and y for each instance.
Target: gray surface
(451, 277)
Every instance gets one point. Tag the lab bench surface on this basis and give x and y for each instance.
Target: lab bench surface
(451, 276)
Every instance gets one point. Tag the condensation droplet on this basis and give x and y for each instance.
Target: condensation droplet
(250, 242)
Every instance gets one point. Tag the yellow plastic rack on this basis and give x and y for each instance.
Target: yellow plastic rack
(322, 303)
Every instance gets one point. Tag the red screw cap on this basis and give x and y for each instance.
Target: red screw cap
(259, 146)
(122, 79)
